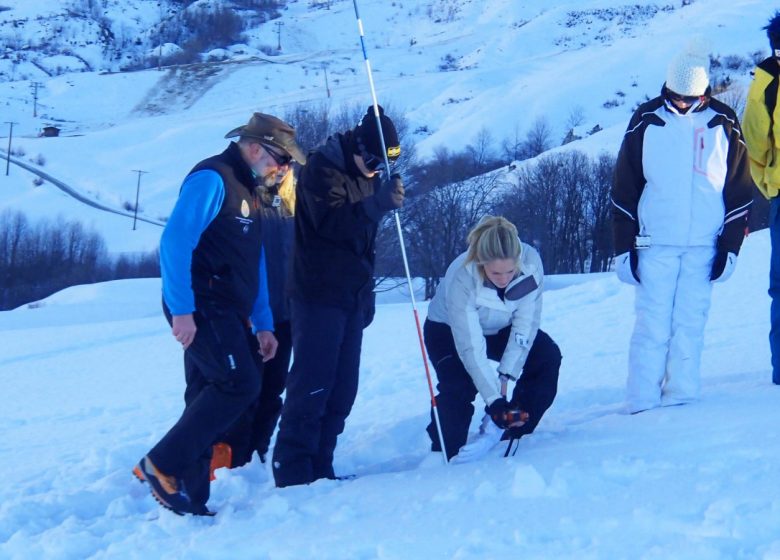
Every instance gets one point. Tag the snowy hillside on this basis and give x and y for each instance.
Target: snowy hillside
(450, 68)
(92, 378)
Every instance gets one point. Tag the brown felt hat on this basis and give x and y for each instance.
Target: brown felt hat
(273, 131)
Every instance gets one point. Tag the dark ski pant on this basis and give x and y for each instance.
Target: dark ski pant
(534, 392)
(223, 373)
(774, 287)
(253, 430)
(321, 388)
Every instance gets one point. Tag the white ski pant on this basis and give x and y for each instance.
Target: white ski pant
(672, 303)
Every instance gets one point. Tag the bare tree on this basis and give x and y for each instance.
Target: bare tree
(538, 139)
(512, 147)
(597, 200)
(347, 116)
(13, 229)
(576, 117)
(551, 207)
(481, 151)
(437, 223)
(311, 122)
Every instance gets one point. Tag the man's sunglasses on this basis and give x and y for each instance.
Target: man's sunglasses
(279, 157)
(690, 99)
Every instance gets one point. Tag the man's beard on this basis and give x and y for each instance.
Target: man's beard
(269, 180)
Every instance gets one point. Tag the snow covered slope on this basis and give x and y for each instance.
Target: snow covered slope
(450, 67)
(92, 378)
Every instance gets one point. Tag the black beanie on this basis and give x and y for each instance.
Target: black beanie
(367, 135)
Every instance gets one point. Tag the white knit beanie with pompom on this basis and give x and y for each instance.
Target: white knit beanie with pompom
(687, 73)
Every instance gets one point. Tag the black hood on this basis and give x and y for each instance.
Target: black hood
(770, 66)
(338, 149)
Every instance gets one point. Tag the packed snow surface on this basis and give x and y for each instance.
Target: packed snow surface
(92, 378)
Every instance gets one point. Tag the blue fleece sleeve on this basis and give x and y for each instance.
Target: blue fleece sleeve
(199, 202)
(262, 317)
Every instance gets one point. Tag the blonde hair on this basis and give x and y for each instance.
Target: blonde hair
(287, 192)
(493, 238)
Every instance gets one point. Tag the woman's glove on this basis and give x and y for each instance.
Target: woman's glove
(626, 267)
(723, 266)
(504, 416)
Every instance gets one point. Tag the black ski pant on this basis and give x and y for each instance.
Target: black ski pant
(253, 430)
(321, 388)
(534, 391)
(223, 373)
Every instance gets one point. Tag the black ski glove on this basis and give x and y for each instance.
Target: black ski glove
(389, 196)
(500, 413)
(504, 415)
(391, 193)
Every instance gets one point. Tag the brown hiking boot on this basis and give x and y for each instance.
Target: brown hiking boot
(167, 490)
(221, 456)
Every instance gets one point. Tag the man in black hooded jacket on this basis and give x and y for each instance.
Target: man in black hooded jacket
(340, 201)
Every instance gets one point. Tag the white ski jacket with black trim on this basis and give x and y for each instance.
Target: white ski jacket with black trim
(682, 179)
(472, 308)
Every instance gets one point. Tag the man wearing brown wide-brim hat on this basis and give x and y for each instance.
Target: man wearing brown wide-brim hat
(215, 298)
(270, 130)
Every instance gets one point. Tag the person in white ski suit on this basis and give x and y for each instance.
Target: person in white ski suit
(681, 196)
(488, 307)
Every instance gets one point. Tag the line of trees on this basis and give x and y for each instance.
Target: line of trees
(561, 205)
(38, 259)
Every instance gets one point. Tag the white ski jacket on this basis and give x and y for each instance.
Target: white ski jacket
(472, 308)
(682, 179)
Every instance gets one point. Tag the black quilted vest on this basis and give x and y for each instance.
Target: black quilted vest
(226, 260)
